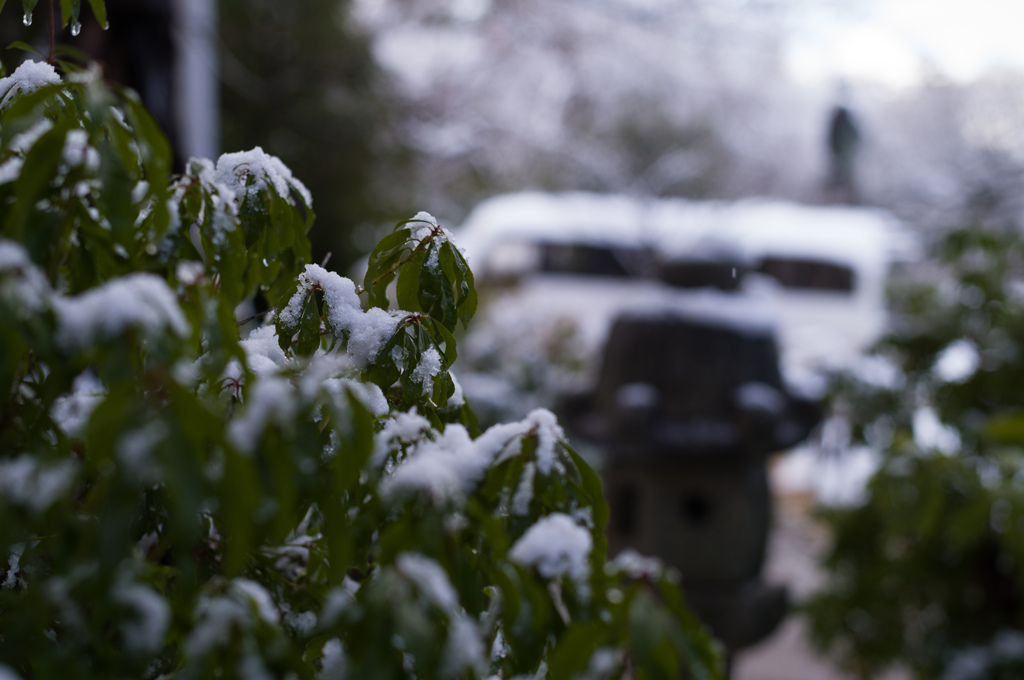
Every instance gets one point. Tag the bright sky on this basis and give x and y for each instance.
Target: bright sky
(898, 42)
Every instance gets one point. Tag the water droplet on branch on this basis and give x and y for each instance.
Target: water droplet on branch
(76, 28)
(27, 19)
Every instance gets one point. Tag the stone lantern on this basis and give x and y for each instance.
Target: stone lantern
(687, 409)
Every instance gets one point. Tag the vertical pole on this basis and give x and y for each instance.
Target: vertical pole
(196, 96)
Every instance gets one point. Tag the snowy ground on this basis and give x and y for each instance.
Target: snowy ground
(793, 548)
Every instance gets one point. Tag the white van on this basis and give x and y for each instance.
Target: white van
(816, 274)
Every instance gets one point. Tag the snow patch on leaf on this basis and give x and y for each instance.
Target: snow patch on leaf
(367, 332)
(244, 604)
(28, 77)
(429, 577)
(247, 173)
(269, 400)
(556, 546)
(368, 394)
(402, 430)
(23, 141)
(334, 662)
(544, 423)
(10, 170)
(71, 412)
(137, 300)
(27, 482)
(22, 283)
(152, 615)
(524, 492)
(445, 468)
(429, 366)
(458, 397)
(464, 649)
(635, 566)
(77, 151)
(450, 466)
(263, 353)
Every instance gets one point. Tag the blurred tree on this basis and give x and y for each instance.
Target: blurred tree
(300, 79)
(947, 153)
(929, 571)
(666, 99)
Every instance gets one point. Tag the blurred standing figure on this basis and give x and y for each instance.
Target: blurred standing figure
(843, 144)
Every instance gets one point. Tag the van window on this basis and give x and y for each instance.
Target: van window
(589, 260)
(808, 274)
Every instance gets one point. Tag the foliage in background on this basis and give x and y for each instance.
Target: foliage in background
(300, 81)
(310, 501)
(506, 96)
(515, 362)
(929, 571)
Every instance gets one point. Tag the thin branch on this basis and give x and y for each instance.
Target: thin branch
(53, 30)
(255, 316)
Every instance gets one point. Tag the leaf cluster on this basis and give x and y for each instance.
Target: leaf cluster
(310, 500)
(927, 571)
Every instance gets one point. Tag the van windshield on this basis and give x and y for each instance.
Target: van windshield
(808, 274)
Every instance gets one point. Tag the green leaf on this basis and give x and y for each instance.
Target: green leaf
(99, 10)
(383, 372)
(241, 499)
(465, 286)
(153, 145)
(74, 53)
(691, 638)
(19, 45)
(358, 445)
(309, 326)
(383, 265)
(446, 260)
(435, 291)
(649, 638)
(572, 653)
(443, 336)
(594, 490)
(1005, 428)
(28, 6)
(32, 186)
(408, 287)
